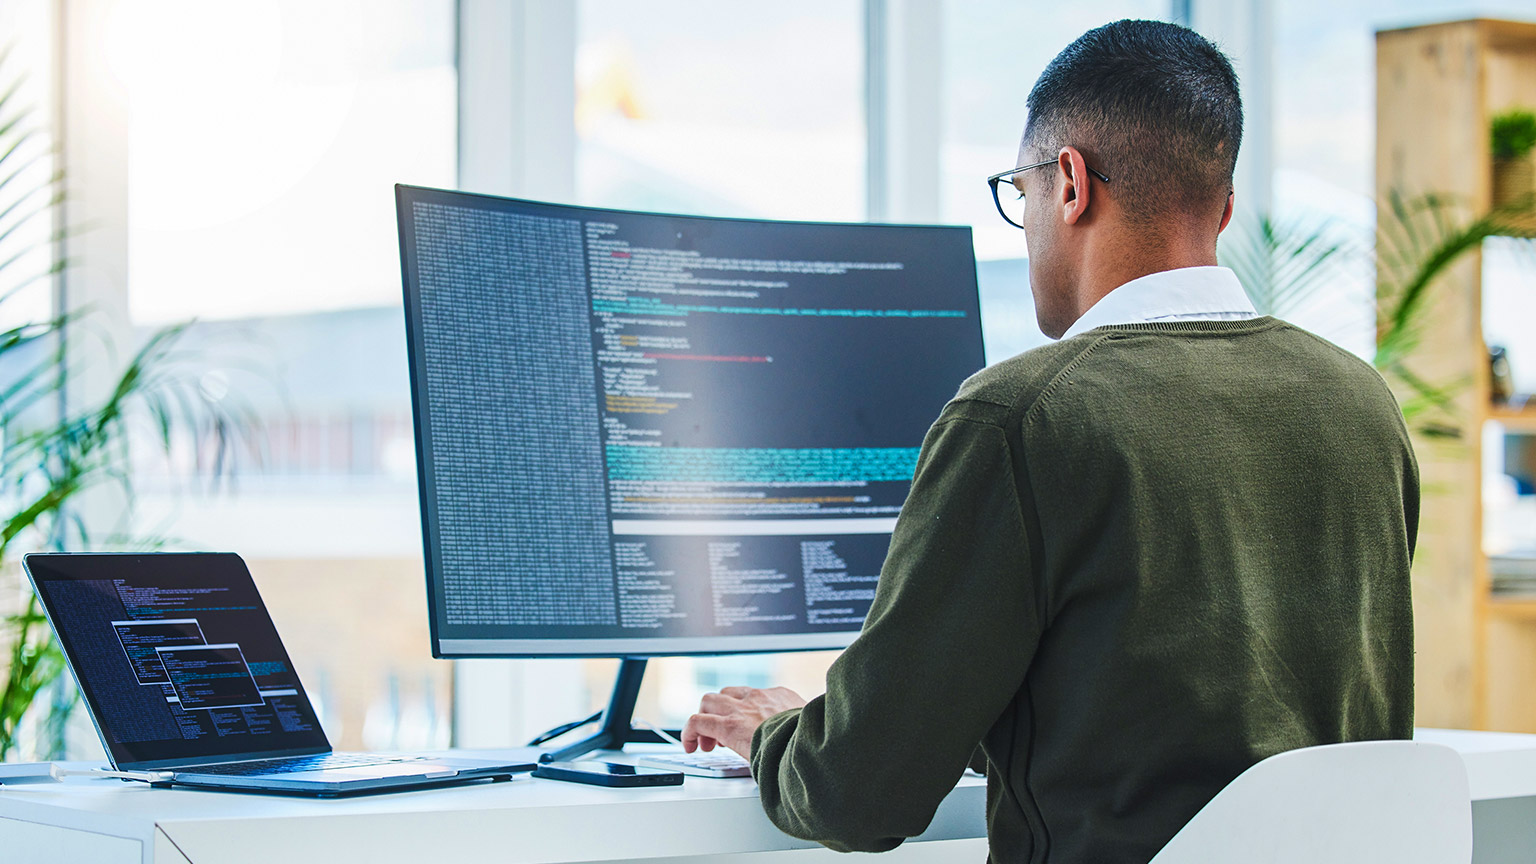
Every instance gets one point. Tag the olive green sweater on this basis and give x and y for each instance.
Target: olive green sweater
(1132, 564)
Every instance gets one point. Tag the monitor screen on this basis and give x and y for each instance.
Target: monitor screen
(641, 434)
(176, 656)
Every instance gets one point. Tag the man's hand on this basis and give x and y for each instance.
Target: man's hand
(731, 716)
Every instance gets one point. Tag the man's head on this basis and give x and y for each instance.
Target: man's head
(1153, 106)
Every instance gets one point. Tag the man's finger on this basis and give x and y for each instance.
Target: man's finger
(705, 725)
(690, 737)
(703, 731)
(718, 703)
(694, 741)
(737, 692)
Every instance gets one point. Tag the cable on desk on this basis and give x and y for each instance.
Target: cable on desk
(564, 728)
(660, 732)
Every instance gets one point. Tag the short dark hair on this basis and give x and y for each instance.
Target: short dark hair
(1153, 105)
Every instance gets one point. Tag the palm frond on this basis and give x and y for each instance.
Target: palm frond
(1418, 242)
(1283, 264)
(1286, 264)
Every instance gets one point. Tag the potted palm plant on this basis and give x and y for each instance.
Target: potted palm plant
(1513, 135)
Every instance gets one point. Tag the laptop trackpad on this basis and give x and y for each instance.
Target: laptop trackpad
(406, 769)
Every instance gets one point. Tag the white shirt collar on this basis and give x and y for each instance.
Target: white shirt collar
(1187, 294)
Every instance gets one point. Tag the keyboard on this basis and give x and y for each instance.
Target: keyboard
(294, 764)
(717, 763)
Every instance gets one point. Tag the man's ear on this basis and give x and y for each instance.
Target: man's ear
(1226, 214)
(1072, 186)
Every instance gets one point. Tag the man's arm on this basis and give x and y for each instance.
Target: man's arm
(952, 629)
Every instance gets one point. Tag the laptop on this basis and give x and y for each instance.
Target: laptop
(187, 681)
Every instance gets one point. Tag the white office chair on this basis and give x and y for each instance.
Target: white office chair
(1397, 801)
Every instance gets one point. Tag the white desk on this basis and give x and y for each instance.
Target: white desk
(1501, 771)
(530, 820)
(525, 820)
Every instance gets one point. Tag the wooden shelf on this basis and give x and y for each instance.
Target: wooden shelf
(1515, 418)
(1518, 224)
(1514, 607)
(1437, 89)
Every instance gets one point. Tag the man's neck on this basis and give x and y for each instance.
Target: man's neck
(1115, 266)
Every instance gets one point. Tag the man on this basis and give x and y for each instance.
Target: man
(1136, 561)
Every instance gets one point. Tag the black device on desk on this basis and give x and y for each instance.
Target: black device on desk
(608, 774)
(643, 434)
(186, 679)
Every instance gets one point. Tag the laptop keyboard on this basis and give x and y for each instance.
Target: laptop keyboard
(323, 762)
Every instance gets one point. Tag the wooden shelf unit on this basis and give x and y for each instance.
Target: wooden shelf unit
(1523, 223)
(1521, 419)
(1516, 608)
(1438, 87)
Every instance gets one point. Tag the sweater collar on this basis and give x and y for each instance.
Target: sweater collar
(1187, 293)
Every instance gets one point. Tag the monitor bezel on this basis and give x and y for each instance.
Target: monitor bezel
(696, 646)
(686, 646)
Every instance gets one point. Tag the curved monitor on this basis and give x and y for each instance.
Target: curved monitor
(640, 434)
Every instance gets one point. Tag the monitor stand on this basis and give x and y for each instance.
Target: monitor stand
(616, 727)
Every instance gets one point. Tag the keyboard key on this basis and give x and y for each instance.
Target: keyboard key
(700, 764)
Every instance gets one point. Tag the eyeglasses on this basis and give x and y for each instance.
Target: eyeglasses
(1017, 204)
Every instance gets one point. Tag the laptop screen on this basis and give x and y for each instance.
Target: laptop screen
(177, 657)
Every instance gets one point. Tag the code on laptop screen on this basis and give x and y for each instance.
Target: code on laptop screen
(177, 657)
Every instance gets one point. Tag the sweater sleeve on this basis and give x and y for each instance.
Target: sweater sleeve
(943, 651)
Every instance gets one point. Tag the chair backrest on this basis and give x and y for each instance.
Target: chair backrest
(1398, 801)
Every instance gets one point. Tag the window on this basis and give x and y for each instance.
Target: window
(26, 32)
(261, 183)
(720, 108)
(993, 52)
(264, 140)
